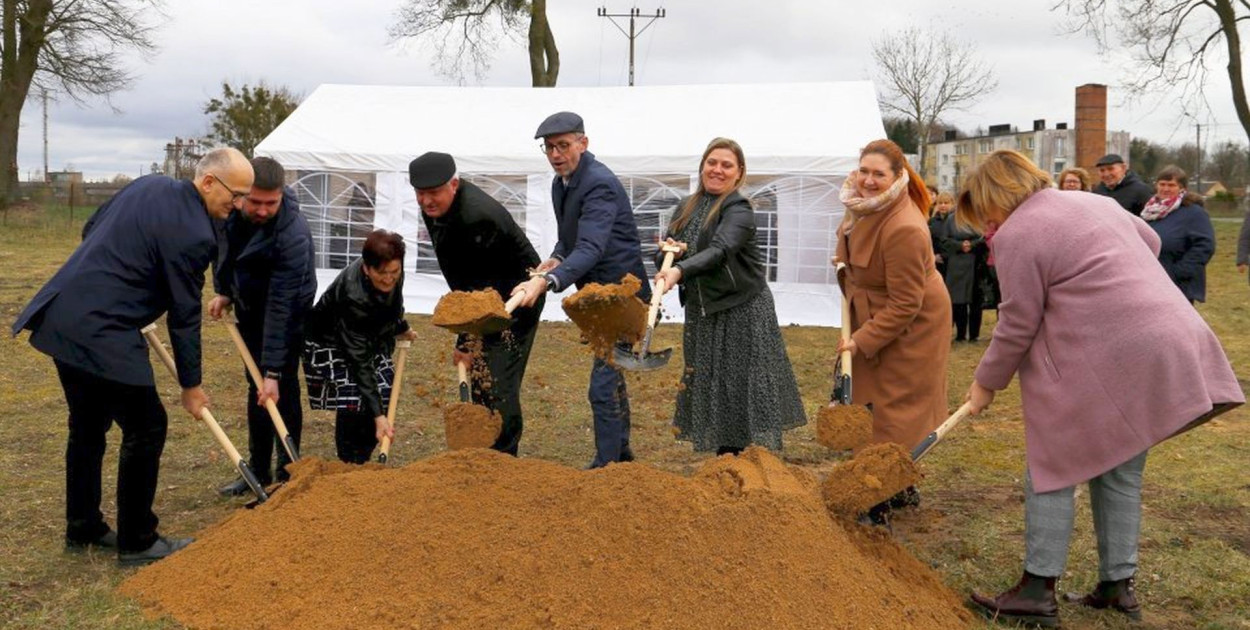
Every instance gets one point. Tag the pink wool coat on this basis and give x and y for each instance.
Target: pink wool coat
(1112, 358)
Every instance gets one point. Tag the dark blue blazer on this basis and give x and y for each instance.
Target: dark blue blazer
(271, 281)
(145, 255)
(1188, 244)
(598, 238)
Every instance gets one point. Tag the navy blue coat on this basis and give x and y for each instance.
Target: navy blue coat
(1188, 244)
(598, 238)
(271, 280)
(145, 255)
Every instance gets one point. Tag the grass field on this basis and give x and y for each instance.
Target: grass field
(1195, 551)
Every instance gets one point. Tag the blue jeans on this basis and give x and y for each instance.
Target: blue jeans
(609, 402)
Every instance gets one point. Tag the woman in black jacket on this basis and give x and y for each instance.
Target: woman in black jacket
(349, 338)
(965, 254)
(738, 387)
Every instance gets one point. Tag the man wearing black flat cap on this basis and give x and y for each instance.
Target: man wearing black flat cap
(1121, 184)
(598, 242)
(480, 246)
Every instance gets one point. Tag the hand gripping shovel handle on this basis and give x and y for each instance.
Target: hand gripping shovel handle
(926, 444)
(401, 347)
(657, 294)
(149, 332)
(284, 436)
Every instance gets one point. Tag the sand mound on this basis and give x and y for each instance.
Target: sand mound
(608, 313)
(476, 539)
(874, 474)
(843, 427)
(470, 426)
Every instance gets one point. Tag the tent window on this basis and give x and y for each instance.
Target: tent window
(796, 222)
(766, 220)
(508, 190)
(339, 208)
(654, 199)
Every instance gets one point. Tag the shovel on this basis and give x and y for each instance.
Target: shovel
(842, 368)
(401, 347)
(936, 436)
(284, 436)
(481, 326)
(646, 360)
(149, 332)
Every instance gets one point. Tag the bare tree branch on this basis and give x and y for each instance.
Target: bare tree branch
(926, 74)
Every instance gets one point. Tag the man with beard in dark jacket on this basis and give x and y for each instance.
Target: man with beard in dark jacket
(265, 271)
(479, 246)
(1121, 184)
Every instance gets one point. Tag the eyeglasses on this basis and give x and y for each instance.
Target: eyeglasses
(235, 195)
(561, 147)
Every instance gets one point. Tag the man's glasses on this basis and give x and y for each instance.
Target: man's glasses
(561, 147)
(235, 195)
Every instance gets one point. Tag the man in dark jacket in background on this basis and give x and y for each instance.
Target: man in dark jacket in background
(143, 257)
(479, 246)
(1121, 184)
(265, 271)
(598, 242)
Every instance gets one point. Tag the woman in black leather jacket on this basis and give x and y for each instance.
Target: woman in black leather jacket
(349, 338)
(738, 385)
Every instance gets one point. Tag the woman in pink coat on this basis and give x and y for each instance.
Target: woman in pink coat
(1112, 360)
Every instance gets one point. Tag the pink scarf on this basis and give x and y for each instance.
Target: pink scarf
(860, 207)
(1157, 207)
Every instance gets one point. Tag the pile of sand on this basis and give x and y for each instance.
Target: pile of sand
(608, 313)
(476, 539)
(843, 427)
(467, 425)
(876, 473)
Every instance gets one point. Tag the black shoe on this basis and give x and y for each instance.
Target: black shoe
(159, 549)
(238, 488)
(108, 540)
(1117, 595)
(1030, 602)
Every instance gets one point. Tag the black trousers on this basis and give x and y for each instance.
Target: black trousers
(95, 403)
(262, 438)
(355, 435)
(506, 356)
(967, 320)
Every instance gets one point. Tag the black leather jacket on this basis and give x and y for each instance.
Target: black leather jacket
(728, 269)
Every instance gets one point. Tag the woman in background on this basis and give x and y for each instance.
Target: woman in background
(1074, 178)
(1188, 238)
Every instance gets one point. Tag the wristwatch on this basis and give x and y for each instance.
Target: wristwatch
(551, 281)
(274, 374)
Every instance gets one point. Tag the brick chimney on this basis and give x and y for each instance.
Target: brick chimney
(1091, 124)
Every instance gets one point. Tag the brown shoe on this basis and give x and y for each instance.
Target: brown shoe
(1117, 595)
(1032, 602)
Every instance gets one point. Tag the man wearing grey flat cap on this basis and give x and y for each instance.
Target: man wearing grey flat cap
(1121, 184)
(479, 246)
(598, 242)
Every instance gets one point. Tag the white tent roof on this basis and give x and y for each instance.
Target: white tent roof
(795, 128)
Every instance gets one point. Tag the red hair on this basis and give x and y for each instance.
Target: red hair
(898, 163)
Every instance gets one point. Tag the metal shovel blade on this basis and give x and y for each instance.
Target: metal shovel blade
(641, 362)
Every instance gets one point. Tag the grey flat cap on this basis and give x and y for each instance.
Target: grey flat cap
(1109, 159)
(558, 123)
(431, 170)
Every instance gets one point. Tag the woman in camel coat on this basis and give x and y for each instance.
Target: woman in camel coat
(900, 310)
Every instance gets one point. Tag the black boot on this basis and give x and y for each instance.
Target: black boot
(1032, 601)
(1117, 595)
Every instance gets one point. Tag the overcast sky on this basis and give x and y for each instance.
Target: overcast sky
(304, 43)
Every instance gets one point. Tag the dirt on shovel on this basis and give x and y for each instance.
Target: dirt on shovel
(473, 312)
(467, 425)
(874, 474)
(608, 313)
(843, 427)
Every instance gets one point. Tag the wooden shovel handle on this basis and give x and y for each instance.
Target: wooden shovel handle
(514, 301)
(401, 351)
(232, 326)
(846, 334)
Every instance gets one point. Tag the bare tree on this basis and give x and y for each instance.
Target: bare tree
(1170, 43)
(926, 74)
(73, 47)
(465, 33)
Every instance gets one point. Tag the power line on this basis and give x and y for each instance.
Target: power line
(633, 15)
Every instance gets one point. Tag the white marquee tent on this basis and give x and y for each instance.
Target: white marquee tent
(347, 147)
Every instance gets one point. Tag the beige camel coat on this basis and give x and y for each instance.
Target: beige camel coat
(900, 321)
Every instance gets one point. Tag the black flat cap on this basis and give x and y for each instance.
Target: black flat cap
(558, 123)
(431, 170)
(1109, 159)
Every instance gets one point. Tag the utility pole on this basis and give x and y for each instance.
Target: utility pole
(633, 15)
(1198, 167)
(45, 136)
